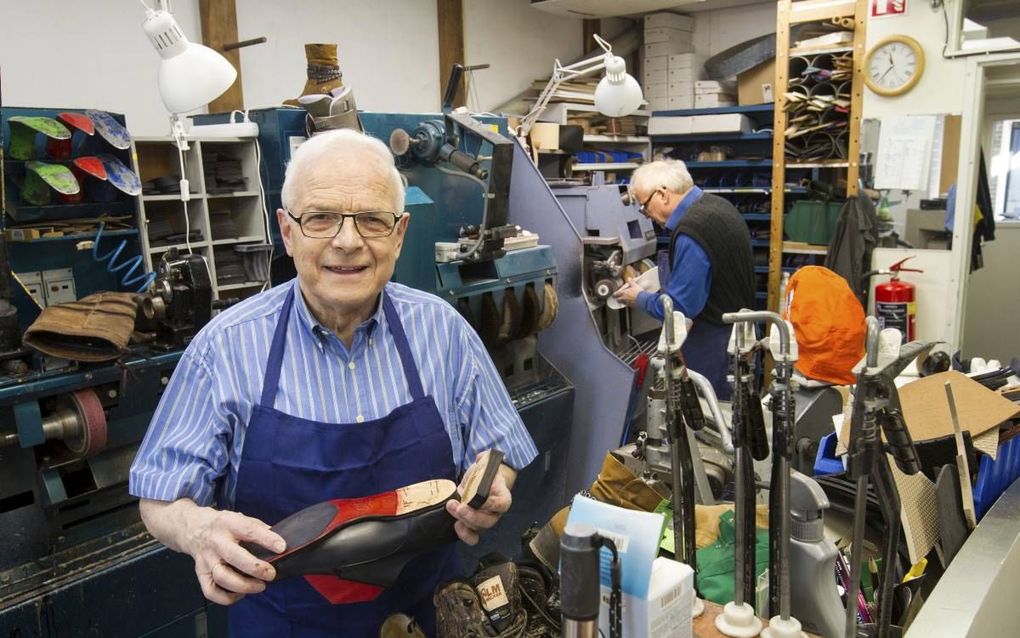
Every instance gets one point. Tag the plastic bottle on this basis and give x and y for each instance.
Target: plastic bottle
(814, 600)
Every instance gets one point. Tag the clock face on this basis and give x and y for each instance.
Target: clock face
(894, 66)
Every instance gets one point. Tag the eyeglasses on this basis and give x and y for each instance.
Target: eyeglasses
(643, 208)
(327, 225)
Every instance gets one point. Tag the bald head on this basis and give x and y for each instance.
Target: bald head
(343, 155)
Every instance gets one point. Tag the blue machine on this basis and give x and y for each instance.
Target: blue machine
(74, 555)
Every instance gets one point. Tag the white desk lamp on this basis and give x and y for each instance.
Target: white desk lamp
(616, 95)
(190, 75)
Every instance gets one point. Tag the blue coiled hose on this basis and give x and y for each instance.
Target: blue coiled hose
(131, 265)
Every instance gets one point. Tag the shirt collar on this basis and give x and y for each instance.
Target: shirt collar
(313, 325)
(689, 199)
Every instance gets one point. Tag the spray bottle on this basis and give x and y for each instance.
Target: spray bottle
(814, 601)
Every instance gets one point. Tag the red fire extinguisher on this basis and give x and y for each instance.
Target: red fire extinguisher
(895, 301)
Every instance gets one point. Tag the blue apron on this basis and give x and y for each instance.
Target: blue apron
(289, 463)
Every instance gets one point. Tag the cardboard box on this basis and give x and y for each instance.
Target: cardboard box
(689, 75)
(666, 610)
(657, 103)
(667, 35)
(715, 86)
(666, 48)
(755, 86)
(670, 125)
(685, 61)
(681, 102)
(656, 62)
(655, 90)
(665, 19)
(713, 100)
(655, 76)
(722, 123)
(680, 89)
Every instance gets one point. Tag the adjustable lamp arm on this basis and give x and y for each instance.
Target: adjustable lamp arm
(560, 75)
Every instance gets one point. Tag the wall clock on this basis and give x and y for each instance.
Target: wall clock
(894, 65)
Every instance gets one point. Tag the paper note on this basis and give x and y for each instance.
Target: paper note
(904, 152)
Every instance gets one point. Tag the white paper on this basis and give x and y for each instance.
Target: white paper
(904, 152)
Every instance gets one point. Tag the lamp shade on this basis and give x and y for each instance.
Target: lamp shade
(618, 93)
(190, 75)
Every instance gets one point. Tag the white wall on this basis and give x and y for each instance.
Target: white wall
(716, 31)
(519, 42)
(85, 55)
(991, 329)
(939, 89)
(388, 52)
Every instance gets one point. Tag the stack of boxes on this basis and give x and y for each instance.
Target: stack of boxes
(712, 93)
(670, 66)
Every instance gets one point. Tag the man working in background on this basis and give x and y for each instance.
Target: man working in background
(708, 270)
(339, 384)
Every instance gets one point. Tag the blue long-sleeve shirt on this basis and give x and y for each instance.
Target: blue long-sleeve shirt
(194, 443)
(690, 278)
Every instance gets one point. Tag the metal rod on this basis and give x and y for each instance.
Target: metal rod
(889, 502)
(243, 43)
(856, 554)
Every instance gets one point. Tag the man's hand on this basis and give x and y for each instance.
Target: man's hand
(225, 570)
(627, 294)
(471, 522)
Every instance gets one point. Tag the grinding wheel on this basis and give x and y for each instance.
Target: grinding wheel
(511, 322)
(91, 436)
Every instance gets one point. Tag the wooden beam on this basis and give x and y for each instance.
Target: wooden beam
(451, 44)
(590, 28)
(219, 27)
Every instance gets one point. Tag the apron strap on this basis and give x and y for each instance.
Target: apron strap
(403, 349)
(272, 378)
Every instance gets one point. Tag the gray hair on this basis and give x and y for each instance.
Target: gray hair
(323, 144)
(670, 174)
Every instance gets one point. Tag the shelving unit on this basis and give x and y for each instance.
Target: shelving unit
(51, 244)
(791, 13)
(225, 211)
(752, 164)
(561, 112)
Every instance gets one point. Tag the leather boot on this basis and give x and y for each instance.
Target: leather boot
(323, 71)
(499, 591)
(400, 626)
(459, 612)
(615, 485)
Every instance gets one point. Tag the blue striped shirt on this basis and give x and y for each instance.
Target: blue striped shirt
(193, 445)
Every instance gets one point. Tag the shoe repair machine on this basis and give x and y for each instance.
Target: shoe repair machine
(73, 546)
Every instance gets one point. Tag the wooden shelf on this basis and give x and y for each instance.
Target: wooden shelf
(821, 50)
(608, 166)
(800, 248)
(616, 139)
(825, 164)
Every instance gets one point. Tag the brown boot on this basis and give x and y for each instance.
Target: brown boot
(323, 71)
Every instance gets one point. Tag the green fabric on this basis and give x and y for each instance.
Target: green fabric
(666, 542)
(715, 562)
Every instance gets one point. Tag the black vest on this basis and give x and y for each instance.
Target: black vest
(722, 233)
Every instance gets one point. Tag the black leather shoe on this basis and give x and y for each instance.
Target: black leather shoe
(367, 540)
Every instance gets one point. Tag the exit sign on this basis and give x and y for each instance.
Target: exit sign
(882, 8)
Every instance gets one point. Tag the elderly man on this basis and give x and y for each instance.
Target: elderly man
(338, 384)
(708, 270)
